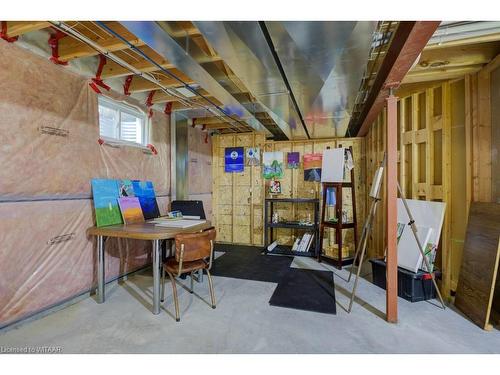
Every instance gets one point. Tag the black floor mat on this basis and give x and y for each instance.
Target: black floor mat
(297, 288)
(306, 290)
(247, 262)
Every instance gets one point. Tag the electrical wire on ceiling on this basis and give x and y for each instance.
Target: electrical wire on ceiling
(70, 30)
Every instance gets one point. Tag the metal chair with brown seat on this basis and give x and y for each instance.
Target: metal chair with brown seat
(194, 252)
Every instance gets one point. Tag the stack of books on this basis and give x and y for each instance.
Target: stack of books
(303, 244)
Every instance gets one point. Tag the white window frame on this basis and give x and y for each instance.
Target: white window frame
(121, 106)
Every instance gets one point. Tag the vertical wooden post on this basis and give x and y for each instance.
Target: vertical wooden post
(391, 194)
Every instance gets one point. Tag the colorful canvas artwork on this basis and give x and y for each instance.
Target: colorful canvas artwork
(275, 187)
(253, 156)
(312, 167)
(234, 159)
(126, 189)
(145, 191)
(105, 193)
(332, 165)
(131, 210)
(273, 165)
(293, 160)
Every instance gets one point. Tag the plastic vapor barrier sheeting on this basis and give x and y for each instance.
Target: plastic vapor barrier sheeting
(49, 152)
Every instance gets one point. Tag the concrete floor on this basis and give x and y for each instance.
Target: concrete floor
(244, 322)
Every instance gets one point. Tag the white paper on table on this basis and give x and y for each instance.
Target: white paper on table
(332, 168)
(180, 223)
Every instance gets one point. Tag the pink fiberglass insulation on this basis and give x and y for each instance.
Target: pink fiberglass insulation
(45, 254)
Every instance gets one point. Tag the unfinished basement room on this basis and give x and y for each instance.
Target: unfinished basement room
(261, 183)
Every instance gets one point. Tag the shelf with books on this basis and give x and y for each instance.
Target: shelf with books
(305, 245)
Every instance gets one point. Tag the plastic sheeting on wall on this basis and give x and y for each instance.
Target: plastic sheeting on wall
(200, 168)
(45, 208)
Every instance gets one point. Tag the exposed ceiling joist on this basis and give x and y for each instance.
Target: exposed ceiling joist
(139, 84)
(16, 28)
(408, 42)
(441, 73)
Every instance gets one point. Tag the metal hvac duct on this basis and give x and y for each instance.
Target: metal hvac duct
(152, 34)
(301, 71)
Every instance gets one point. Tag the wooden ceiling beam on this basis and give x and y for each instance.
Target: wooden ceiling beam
(115, 70)
(409, 40)
(208, 120)
(140, 84)
(440, 74)
(16, 28)
(461, 42)
(70, 49)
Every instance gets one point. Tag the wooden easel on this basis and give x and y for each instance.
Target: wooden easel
(339, 225)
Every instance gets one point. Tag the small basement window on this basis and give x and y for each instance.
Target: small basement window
(122, 122)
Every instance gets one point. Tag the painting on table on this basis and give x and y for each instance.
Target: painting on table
(145, 191)
(105, 193)
(131, 210)
(126, 188)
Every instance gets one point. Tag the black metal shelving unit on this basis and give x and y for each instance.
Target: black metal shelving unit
(269, 227)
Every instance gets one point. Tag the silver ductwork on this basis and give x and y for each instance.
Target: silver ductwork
(321, 62)
(153, 35)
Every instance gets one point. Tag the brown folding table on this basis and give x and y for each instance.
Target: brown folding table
(142, 231)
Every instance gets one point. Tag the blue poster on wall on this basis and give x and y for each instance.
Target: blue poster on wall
(234, 159)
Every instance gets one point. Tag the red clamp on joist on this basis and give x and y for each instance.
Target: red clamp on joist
(4, 36)
(54, 45)
(194, 123)
(100, 141)
(149, 103)
(94, 87)
(126, 86)
(149, 100)
(98, 80)
(168, 108)
(206, 136)
(152, 148)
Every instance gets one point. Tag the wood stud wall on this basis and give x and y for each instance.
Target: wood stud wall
(444, 154)
(240, 222)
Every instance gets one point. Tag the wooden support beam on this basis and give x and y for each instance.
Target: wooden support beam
(16, 28)
(207, 120)
(140, 84)
(70, 49)
(391, 210)
(461, 42)
(113, 70)
(425, 75)
(409, 40)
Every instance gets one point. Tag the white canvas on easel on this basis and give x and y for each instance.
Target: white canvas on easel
(409, 255)
(430, 214)
(332, 168)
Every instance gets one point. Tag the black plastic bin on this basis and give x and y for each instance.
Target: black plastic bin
(413, 287)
